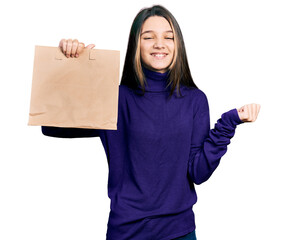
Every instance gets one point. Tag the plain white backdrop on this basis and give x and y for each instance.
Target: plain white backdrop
(57, 188)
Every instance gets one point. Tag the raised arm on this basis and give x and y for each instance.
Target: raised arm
(208, 146)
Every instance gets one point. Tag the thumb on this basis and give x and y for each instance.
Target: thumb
(240, 109)
(90, 46)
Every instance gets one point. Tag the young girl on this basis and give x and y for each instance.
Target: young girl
(163, 144)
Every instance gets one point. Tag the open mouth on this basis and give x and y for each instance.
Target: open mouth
(159, 55)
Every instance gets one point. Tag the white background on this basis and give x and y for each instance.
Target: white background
(57, 188)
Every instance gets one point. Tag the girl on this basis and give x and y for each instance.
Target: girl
(163, 144)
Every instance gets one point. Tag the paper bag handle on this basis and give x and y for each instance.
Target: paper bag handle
(59, 55)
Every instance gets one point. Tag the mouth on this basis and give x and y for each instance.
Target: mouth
(159, 55)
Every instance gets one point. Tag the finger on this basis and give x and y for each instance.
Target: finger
(80, 48)
(250, 112)
(69, 47)
(245, 113)
(240, 112)
(74, 47)
(64, 45)
(254, 112)
(90, 46)
(61, 44)
(258, 109)
(240, 109)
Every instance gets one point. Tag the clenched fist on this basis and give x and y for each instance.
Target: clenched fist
(72, 48)
(249, 112)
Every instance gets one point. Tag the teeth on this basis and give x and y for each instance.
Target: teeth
(159, 55)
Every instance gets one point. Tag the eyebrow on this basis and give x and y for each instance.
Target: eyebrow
(150, 31)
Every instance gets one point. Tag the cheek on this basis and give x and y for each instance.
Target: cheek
(144, 49)
(144, 53)
(172, 47)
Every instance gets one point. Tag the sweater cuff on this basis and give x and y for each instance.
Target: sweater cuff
(232, 118)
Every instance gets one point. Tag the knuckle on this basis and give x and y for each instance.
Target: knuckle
(80, 47)
(69, 42)
(75, 42)
(61, 42)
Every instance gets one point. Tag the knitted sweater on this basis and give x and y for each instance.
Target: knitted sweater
(161, 148)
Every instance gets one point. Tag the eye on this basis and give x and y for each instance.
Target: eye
(147, 38)
(169, 37)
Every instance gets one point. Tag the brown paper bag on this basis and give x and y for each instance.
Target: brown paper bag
(75, 92)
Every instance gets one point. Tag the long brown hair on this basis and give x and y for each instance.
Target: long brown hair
(179, 71)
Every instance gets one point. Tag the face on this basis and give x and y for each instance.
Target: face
(157, 44)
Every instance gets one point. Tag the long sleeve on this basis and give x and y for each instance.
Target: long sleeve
(69, 132)
(208, 146)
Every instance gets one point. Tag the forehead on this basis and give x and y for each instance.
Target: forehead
(156, 24)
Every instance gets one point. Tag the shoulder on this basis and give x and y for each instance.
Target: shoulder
(195, 94)
(123, 89)
(124, 92)
(197, 99)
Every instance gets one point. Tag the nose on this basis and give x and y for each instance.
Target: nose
(158, 43)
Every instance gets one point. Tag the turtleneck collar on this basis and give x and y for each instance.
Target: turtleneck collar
(156, 82)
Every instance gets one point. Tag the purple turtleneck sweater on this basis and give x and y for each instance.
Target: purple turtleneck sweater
(161, 148)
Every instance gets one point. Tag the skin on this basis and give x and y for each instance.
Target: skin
(157, 44)
(157, 50)
(249, 112)
(72, 48)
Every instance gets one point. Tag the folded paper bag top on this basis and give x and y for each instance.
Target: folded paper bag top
(75, 92)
